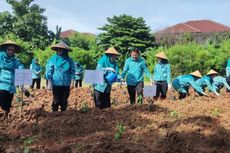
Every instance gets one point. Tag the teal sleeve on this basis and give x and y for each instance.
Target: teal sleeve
(168, 74)
(125, 70)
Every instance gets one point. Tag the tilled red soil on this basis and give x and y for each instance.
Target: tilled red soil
(196, 124)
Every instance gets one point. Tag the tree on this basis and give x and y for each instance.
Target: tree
(125, 31)
(27, 22)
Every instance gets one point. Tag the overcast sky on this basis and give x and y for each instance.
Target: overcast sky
(88, 15)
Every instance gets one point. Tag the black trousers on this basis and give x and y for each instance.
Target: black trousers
(162, 88)
(60, 97)
(132, 90)
(38, 83)
(101, 100)
(5, 100)
(78, 82)
(228, 81)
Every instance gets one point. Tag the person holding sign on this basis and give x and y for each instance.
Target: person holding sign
(8, 64)
(106, 63)
(60, 71)
(36, 73)
(135, 67)
(182, 84)
(162, 75)
(78, 74)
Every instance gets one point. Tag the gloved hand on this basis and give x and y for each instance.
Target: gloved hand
(110, 69)
(204, 94)
(169, 86)
(217, 93)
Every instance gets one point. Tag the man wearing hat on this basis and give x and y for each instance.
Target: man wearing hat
(60, 71)
(108, 64)
(162, 75)
(8, 64)
(207, 81)
(228, 73)
(182, 84)
(134, 69)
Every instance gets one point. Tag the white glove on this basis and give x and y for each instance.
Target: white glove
(169, 86)
(217, 93)
(204, 94)
(110, 69)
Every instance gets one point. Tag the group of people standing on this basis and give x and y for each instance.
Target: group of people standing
(61, 70)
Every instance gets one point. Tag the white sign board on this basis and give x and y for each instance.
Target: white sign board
(94, 76)
(150, 91)
(23, 77)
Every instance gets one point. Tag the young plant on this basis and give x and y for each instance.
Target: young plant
(174, 113)
(120, 131)
(140, 99)
(28, 142)
(215, 112)
(85, 108)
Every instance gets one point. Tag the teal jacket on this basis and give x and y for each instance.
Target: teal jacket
(228, 68)
(78, 71)
(7, 71)
(182, 84)
(103, 63)
(36, 69)
(220, 81)
(60, 70)
(135, 71)
(162, 72)
(206, 81)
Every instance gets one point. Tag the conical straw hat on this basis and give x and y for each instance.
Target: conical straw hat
(9, 42)
(61, 45)
(196, 73)
(112, 50)
(161, 55)
(212, 72)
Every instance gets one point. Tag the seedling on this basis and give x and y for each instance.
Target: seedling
(120, 131)
(85, 108)
(215, 112)
(174, 113)
(140, 99)
(28, 142)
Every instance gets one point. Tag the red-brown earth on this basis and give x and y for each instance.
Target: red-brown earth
(195, 124)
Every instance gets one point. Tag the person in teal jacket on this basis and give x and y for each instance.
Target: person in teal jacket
(78, 74)
(207, 81)
(219, 82)
(134, 69)
(182, 84)
(36, 73)
(8, 64)
(228, 74)
(60, 71)
(108, 64)
(162, 75)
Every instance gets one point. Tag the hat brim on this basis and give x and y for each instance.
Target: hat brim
(17, 47)
(54, 48)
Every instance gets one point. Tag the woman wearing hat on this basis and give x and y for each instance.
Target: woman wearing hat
(207, 81)
(78, 74)
(219, 82)
(36, 73)
(228, 73)
(8, 64)
(60, 71)
(162, 75)
(134, 69)
(182, 84)
(108, 64)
